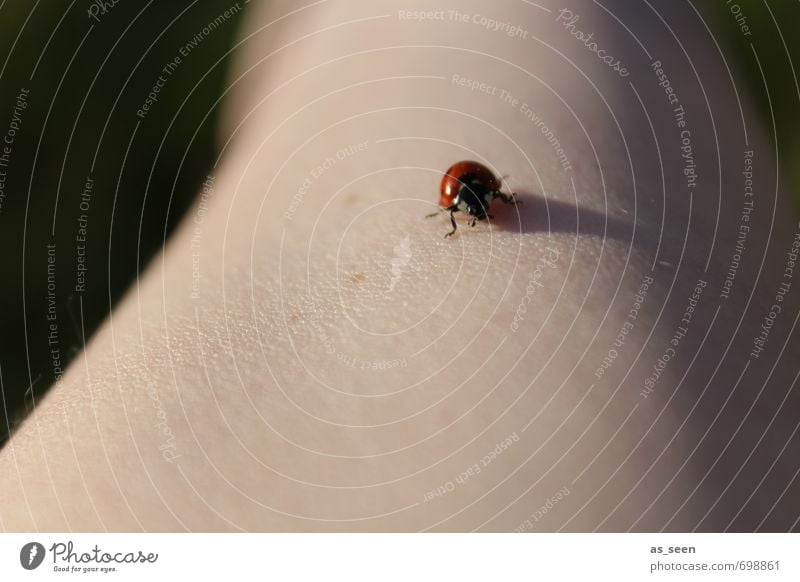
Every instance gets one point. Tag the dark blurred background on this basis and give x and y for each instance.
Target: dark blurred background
(88, 67)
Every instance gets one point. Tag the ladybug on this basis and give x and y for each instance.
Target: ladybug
(470, 187)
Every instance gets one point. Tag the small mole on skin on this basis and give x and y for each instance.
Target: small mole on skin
(294, 317)
(350, 199)
(357, 278)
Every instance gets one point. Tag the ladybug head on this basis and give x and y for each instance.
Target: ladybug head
(476, 196)
(477, 210)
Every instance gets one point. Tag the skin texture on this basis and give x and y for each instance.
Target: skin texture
(234, 387)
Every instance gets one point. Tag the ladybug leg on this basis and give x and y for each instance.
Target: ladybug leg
(509, 199)
(453, 222)
(505, 197)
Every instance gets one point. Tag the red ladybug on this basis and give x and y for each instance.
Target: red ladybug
(470, 187)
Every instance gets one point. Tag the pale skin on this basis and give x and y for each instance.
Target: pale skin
(310, 353)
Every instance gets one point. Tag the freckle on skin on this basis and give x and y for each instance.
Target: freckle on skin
(357, 278)
(350, 199)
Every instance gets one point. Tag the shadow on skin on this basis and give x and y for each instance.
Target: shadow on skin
(537, 214)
